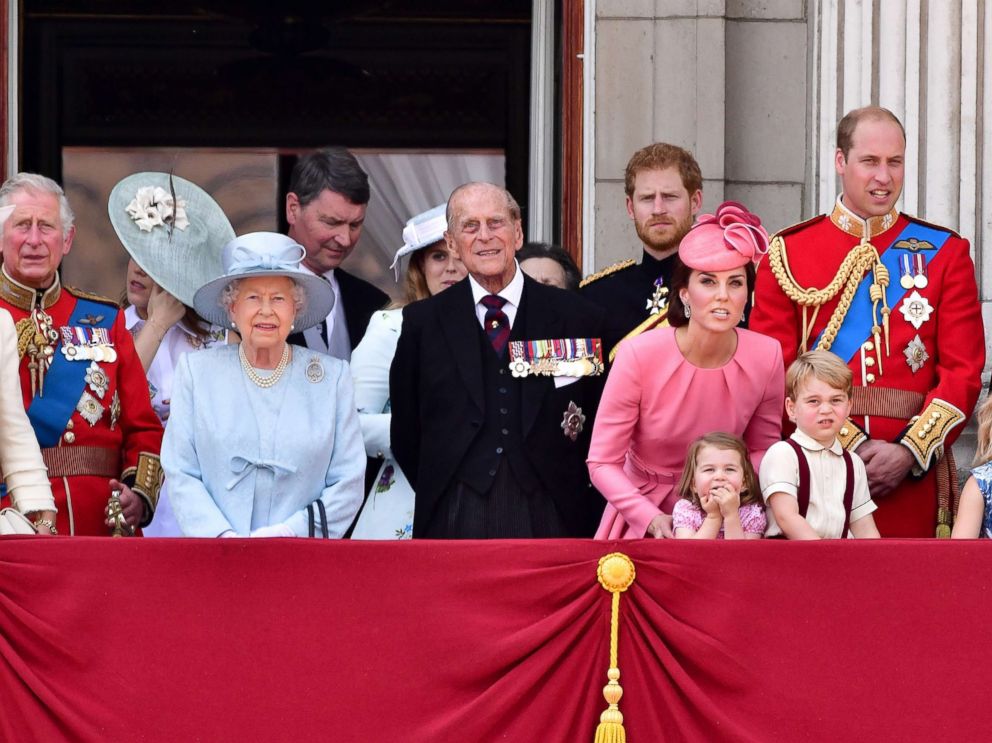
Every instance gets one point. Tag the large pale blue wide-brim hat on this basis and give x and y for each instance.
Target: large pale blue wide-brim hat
(265, 254)
(179, 249)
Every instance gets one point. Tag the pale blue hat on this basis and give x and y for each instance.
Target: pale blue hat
(179, 248)
(265, 254)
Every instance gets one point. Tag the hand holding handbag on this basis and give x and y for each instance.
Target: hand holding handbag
(13, 521)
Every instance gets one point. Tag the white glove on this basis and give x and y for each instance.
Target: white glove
(275, 530)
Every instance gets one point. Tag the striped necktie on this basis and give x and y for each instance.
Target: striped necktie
(496, 322)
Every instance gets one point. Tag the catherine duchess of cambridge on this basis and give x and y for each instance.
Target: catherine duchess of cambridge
(263, 438)
(671, 385)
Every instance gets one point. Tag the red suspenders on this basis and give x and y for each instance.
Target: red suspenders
(803, 485)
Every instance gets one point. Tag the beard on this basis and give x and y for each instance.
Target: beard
(668, 242)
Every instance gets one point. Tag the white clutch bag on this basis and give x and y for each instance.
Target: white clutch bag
(13, 521)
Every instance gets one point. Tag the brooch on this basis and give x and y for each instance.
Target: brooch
(916, 309)
(573, 422)
(315, 370)
(916, 354)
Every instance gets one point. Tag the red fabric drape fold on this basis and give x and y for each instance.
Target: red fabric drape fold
(148, 639)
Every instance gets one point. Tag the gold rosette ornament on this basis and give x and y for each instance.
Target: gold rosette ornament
(615, 574)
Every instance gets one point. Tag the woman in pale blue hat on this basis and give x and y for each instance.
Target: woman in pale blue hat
(174, 233)
(263, 439)
(388, 510)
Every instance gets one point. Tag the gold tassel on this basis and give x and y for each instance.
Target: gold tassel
(615, 573)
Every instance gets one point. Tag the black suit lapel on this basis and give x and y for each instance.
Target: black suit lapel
(538, 321)
(460, 328)
(352, 314)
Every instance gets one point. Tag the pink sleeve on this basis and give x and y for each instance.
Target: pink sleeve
(616, 419)
(753, 520)
(687, 515)
(765, 426)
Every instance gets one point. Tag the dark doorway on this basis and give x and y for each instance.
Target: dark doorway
(277, 77)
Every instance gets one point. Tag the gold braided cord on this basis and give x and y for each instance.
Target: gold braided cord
(856, 263)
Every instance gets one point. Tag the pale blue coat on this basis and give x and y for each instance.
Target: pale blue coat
(239, 457)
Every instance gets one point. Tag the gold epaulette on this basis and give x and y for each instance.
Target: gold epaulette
(609, 270)
(927, 432)
(77, 292)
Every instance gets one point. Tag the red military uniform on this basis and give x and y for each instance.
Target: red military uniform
(916, 381)
(91, 411)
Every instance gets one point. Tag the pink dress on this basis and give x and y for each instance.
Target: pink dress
(687, 515)
(656, 403)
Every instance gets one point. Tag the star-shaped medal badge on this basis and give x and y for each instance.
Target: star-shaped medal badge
(658, 300)
(916, 354)
(573, 422)
(916, 309)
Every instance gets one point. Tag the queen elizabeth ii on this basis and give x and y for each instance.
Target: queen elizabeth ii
(263, 438)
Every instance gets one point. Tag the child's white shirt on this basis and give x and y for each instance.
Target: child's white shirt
(779, 473)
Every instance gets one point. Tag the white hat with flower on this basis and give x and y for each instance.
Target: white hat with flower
(172, 228)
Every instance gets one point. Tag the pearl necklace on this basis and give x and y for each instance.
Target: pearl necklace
(258, 379)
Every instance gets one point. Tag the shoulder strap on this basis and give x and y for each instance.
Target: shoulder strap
(802, 487)
(848, 492)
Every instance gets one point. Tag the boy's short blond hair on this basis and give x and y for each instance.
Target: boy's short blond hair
(822, 365)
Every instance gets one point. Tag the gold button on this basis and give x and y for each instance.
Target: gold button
(869, 361)
(935, 416)
(69, 437)
(844, 431)
(868, 346)
(869, 378)
(921, 435)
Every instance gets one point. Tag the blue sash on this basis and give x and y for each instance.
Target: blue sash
(65, 380)
(856, 328)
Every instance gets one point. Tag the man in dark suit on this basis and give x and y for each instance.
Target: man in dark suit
(491, 423)
(325, 208)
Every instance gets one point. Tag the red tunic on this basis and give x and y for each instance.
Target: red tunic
(129, 439)
(952, 339)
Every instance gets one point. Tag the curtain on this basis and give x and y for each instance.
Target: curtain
(232, 639)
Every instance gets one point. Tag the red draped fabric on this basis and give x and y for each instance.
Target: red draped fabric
(104, 639)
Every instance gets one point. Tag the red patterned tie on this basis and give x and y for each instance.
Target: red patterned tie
(496, 322)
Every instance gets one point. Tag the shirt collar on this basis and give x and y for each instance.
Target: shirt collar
(511, 292)
(24, 297)
(808, 442)
(852, 224)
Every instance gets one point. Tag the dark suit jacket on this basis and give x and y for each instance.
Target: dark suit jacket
(360, 300)
(438, 403)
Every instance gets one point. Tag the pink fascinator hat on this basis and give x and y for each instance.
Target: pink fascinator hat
(731, 238)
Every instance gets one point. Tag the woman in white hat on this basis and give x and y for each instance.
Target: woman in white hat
(388, 510)
(173, 251)
(263, 439)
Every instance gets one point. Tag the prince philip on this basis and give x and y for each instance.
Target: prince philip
(494, 387)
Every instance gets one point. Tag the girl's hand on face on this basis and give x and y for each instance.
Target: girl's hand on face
(710, 505)
(727, 497)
